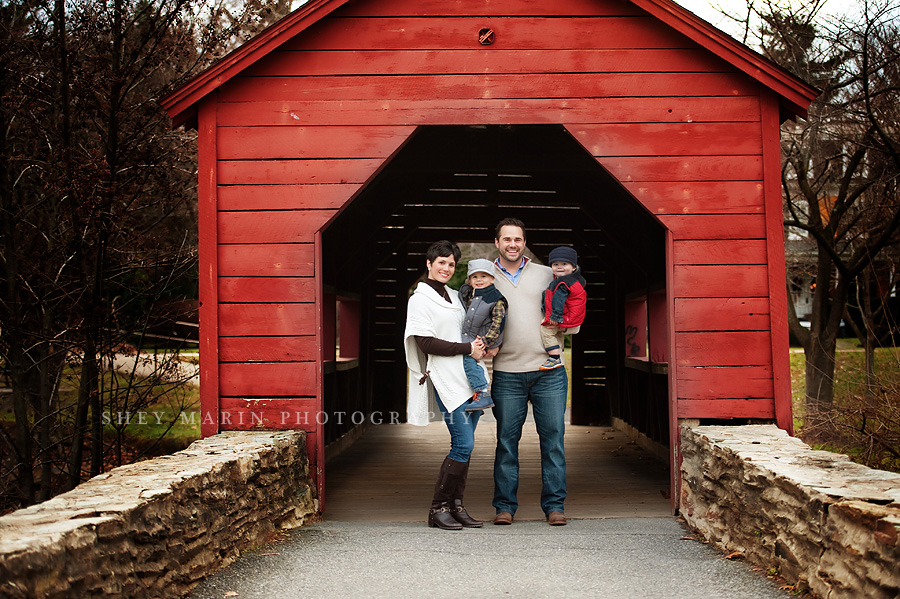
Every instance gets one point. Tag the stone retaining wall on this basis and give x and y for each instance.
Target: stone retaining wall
(816, 517)
(155, 528)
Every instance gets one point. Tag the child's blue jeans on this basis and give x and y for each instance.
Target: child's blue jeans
(475, 374)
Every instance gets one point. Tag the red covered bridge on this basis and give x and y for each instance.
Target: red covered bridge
(339, 143)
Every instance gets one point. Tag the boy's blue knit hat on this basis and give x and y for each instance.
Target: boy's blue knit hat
(564, 254)
(480, 265)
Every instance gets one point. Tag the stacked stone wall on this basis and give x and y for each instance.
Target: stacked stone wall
(155, 528)
(818, 519)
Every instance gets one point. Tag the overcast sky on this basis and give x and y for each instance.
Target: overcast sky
(708, 11)
(705, 9)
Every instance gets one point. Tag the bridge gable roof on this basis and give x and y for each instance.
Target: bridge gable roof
(794, 94)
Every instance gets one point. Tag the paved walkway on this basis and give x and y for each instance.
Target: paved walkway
(621, 541)
(618, 558)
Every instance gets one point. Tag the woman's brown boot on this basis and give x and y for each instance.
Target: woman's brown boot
(457, 510)
(440, 515)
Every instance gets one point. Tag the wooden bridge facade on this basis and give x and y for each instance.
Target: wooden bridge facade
(336, 145)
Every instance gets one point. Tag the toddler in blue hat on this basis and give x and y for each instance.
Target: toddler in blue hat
(565, 304)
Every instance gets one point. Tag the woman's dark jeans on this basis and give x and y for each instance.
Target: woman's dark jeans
(461, 425)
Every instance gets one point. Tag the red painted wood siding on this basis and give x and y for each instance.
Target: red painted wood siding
(302, 130)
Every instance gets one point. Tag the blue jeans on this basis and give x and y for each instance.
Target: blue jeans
(461, 425)
(547, 392)
(475, 374)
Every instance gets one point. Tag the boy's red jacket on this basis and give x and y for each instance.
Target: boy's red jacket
(576, 303)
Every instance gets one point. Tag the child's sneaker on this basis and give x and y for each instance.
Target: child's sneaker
(551, 364)
(480, 401)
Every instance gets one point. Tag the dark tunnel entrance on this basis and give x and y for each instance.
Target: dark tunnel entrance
(457, 182)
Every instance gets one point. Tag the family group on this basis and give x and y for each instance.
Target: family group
(516, 312)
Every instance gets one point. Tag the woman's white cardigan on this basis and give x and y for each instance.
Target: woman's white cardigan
(429, 315)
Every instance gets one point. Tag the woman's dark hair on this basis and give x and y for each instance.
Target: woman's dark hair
(512, 222)
(443, 248)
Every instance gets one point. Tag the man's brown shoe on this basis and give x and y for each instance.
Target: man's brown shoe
(503, 518)
(555, 519)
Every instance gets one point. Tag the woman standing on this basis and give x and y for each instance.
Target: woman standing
(436, 376)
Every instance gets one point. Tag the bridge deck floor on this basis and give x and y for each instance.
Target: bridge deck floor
(388, 475)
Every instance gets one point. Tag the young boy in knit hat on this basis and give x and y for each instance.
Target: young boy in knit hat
(485, 318)
(565, 303)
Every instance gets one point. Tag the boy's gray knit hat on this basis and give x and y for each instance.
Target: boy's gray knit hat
(480, 265)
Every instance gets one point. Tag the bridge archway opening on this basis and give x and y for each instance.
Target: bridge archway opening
(457, 182)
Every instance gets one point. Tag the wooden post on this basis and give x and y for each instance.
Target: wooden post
(317, 458)
(781, 366)
(674, 431)
(209, 268)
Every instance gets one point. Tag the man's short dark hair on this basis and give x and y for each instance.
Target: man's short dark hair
(512, 222)
(442, 248)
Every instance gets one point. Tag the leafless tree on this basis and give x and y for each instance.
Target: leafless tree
(840, 166)
(97, 206)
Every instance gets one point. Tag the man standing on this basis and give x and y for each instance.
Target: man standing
(517, 379)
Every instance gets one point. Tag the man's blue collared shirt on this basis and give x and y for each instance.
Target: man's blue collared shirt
(514, 277)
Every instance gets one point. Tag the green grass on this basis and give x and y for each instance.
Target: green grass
(147, 416)
(849, 371)
(155, 411)
(180, 428)
(798, 387)
(849, 388)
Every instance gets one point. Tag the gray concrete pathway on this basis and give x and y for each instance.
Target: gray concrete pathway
(621, 542)
(618, 558)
